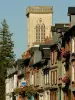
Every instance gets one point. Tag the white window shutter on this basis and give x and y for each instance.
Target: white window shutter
(15, 81)
(32, 79)
(72, 45)
(64, 70)
(45, 78)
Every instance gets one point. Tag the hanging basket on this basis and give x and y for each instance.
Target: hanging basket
(27, 89)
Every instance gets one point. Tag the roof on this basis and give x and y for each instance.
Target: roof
(71, 10)
(63, 26)
(39, 9)
(70, 32)
(54, 41)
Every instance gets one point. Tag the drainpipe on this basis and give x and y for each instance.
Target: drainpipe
(60, 93)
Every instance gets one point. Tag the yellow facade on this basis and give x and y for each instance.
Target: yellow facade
(38, 15)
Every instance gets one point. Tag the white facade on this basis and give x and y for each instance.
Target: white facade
(11, 84)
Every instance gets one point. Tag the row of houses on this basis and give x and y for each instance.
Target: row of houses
(46, 71)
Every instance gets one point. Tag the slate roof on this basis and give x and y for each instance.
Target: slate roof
(54, 41)
(70, 32)
(71, 10)
(60, 27)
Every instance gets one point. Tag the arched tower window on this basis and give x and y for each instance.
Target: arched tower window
(42, 32)
(37, 33)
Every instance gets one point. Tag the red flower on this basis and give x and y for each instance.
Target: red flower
(65, 79)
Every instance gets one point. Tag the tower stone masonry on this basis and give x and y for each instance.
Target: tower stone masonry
(39, 22)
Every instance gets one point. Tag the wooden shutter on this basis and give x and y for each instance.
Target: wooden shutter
(35, 79)
(55, 77)
(55, 55)
(51, 95)
(52, 77)
(38, 78)
(52, 58)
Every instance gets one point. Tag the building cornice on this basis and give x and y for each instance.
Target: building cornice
(39, 9)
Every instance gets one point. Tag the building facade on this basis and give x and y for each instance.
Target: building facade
(39, 22)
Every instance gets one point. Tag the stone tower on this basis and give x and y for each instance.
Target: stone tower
(39, 22)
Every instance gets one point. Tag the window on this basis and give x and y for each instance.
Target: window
(72, 73)
(46, 77)
(35, 79)
(38, 33)
(73, 45)
(55, 57)
(42, 32)
(52, 58)
(54, 77)
(15, 80)
(53, 95)
(31, 78)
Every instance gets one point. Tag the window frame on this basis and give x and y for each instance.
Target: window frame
(54, 77)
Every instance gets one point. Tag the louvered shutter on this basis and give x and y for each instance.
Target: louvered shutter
(52, 58)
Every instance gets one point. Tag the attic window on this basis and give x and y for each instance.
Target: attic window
(59, 30)
(46, 53)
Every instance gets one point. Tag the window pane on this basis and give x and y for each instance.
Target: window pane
(37, 32)
(47, 77)
(42, 32)
(55, 77)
